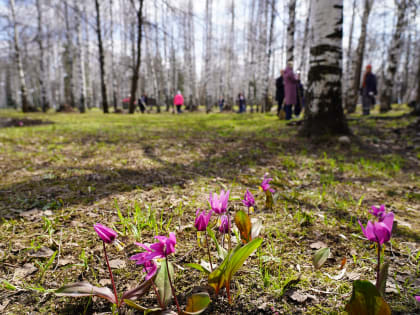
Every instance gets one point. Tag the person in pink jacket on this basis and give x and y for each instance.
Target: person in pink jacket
(178, 102)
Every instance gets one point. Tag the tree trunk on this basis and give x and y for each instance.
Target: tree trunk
(137, 61)
(82, 79)
(68, 76)
(42, 74)
(347, 70)
(113, 72)
(360, 51)
(291, 31)
(101, 58)
(267, 102)
(324, 113)
(26, 106)
(303, 59)
(394, 50)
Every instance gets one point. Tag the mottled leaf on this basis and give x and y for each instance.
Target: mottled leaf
(320, 257)
(139, 291)
(243, 223)
(84, 288)
(366, 300)
(198, 267)
(269, 202)
(197, 303)
(162, 282)
(383, 275)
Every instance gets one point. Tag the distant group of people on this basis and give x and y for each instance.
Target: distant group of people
(289, 93)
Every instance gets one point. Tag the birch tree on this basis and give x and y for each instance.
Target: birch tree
(324, 113)
(360, 51)
(68, 60)
(101, 57)
(80, 56)
(291, 31)
(26, 106)
(42, 72)
(207, 52)
(137, 55)
(392, 62)
(347, 70)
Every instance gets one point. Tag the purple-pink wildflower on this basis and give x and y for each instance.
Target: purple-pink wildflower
(378, 212)
(105, 233)
(224, 224)
(379, 232)
(248, 200)
(265, 184)
(202, 220)
(417, 297)
(219, 203)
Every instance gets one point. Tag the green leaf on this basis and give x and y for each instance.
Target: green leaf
(162, 282)
(320, 257)
(269, 200)
(139, 291)
(244, 225)
(217, 277)
(366, 300)
(383, 275)
(239, 256)
(198, 267)
(197, 303)
(84, 288)
(8, 286)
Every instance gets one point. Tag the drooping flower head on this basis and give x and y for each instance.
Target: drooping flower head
(163, 248)
(105, 233)
(265, 184)
(224, 224)
(378, 212)
(219, 203)
(379, 232)
(248, 200)
(202, 220)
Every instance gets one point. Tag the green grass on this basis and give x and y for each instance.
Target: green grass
(147, 174)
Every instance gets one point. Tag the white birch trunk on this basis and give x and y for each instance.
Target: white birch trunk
(349, 56)
(291, 31)
(23, 90)
(394, 50)
(42, 72)
(324, 112)
(80, 56)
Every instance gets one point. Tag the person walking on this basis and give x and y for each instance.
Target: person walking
(221, 103)
(290, 82)
(279, 92)
(178, 102)
(368, 90)
(242, 103)
(143, 103)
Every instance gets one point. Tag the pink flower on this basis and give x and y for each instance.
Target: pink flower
(224, 224)
(379, 232)
(417, 297)
(377, 212)
(202, 220)
(105, 233)
(265, 184)
(219, 203)
(248, 200)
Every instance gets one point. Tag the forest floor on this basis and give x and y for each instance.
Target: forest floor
(57, 180)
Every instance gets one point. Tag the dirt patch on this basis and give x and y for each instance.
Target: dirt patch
(22, 122)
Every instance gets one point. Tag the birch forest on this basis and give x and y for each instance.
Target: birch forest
(86, 54)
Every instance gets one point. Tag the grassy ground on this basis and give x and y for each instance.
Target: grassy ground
(57, 180)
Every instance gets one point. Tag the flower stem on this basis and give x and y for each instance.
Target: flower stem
(111, 276)
(208, 251)
(172, 286)
(378, 268)
(229, 240)
(157, 295)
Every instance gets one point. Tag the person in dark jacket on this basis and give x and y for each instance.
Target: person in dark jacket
(221, 103)
(143, 103)
(368, 90)
(279, 92)
(290, 97)
(241, 103)
(300, 101)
